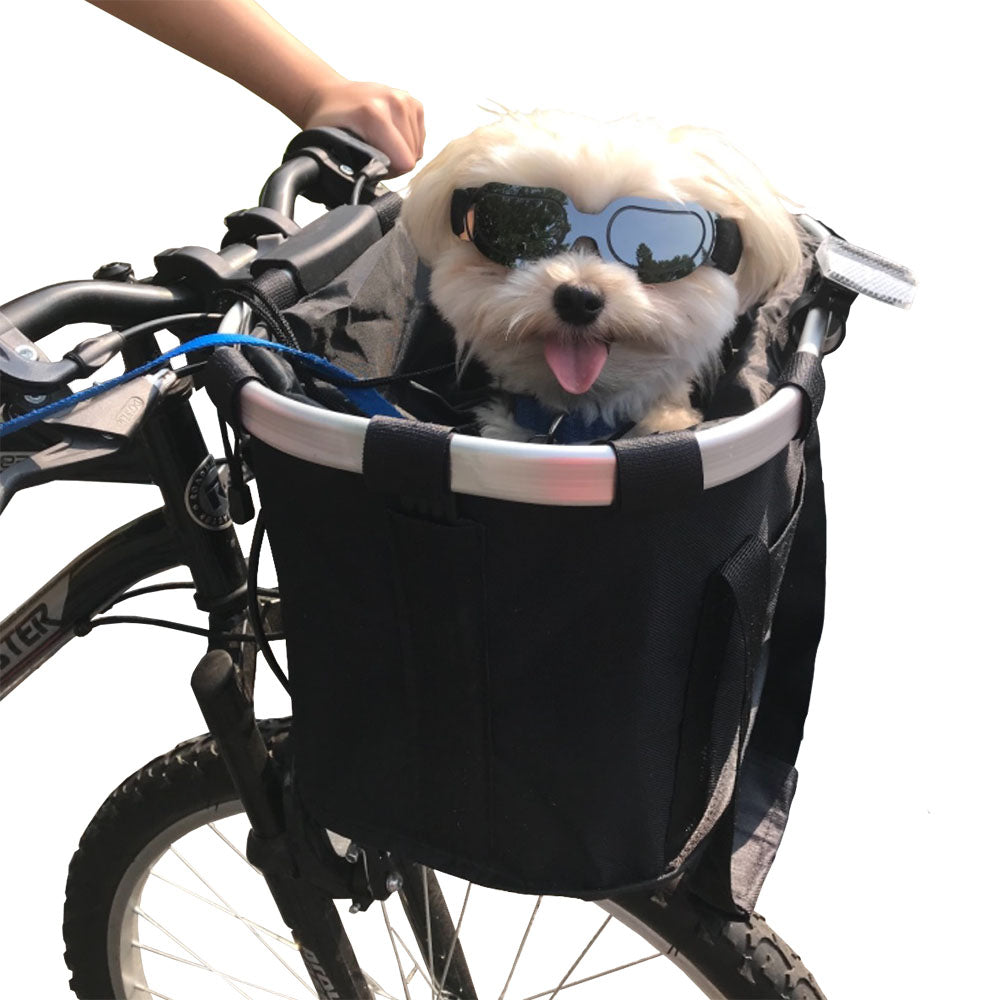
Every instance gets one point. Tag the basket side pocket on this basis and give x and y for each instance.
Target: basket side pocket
(440, 598)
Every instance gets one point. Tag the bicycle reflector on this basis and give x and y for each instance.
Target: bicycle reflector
(865, 272)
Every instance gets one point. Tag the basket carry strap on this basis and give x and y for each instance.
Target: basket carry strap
(806, 372)
(724, 669)
(739, 852)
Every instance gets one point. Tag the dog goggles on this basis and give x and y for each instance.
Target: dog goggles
(659, 240)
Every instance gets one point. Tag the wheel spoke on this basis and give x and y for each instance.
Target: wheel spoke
(410, 956)
(152, 993)
(199, 960)
(454, 940)
(246, 923)
(596, 975)
(430, 942)
(225, 909)
(207, 968)
(579, 959)
(231, 845)
(520, 948)
(395, 951)
(377, 988)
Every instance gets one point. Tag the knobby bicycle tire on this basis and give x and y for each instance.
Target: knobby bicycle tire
(190, 785)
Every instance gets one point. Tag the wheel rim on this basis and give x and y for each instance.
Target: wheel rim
(171, 912)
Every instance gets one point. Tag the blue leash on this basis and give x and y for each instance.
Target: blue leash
(367, 400)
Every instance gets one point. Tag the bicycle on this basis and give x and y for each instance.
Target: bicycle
(144, 430)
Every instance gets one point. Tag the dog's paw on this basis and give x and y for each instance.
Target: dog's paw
(496, 421)
(667, 417)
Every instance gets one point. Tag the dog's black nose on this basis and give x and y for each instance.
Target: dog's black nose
(576, 305)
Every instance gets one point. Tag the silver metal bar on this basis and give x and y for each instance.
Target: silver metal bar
(556, 475)
(812, 226)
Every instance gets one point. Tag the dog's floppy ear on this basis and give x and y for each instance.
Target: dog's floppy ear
(772, 248)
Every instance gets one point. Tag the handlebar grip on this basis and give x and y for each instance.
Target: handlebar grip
(108, 302)
(326, 247)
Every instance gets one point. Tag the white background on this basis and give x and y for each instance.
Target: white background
(876, 117)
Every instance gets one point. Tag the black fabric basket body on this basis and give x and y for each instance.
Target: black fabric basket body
(569, 700)
(505, 697)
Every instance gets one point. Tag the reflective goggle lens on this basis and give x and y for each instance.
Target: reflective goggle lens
(660, 244)
(513, 227)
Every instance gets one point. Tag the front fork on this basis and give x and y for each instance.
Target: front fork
(196, 507)
(305, 907)
(301, 868)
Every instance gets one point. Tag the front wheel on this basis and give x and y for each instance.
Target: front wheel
(161, 902)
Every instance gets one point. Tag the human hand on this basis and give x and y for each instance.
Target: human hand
(389, 119)
(219, 33)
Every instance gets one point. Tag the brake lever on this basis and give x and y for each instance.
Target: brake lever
(117, 413)
(23, 363)
(92, 429)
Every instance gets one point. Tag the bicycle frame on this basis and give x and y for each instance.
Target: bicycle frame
(53, 615)
(192, 528)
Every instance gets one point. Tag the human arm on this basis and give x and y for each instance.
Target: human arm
(241, 40)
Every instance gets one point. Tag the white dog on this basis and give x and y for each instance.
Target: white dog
(595, 268)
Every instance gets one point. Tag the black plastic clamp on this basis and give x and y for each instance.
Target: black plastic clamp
(342, 159)
(822, 293)
(246, 225)
(203, 269)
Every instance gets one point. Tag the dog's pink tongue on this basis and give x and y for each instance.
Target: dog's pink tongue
(575, 363)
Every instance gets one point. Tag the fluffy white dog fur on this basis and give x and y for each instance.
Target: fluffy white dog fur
(662, 336)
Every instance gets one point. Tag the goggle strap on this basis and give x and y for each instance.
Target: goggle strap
(728, 246)
(461, 202)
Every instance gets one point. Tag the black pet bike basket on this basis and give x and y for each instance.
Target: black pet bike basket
(545, 668)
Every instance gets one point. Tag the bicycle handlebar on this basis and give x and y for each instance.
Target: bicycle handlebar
(287, 183)
(44, 310)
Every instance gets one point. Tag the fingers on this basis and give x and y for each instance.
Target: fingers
(388, 119)
(394, 123)
(383, 134)
(421, 131)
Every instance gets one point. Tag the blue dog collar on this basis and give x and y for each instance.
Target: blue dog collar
(571, 428)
